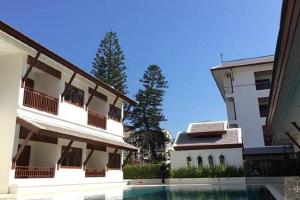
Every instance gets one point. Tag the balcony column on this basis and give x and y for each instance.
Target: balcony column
(10, 75)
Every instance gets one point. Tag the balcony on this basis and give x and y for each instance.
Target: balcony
(94, 173)
(40, 101)
(34, 172)
(96, 120)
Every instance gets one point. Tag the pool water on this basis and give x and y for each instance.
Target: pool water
(188, 192)
(178, 192)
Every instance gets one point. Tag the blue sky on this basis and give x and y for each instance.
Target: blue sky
(185, 38)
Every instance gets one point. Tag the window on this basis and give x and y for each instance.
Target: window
(263, 106)
(115, 113)
(211, 161)
(115, 161)
(200, 163)
(222, 160)
(263, 79)
(233, 126)
(264, 129)
(73, 157)
(263, 84)
(74, 95)
(189, 161)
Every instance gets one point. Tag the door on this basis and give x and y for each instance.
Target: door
(24, 157)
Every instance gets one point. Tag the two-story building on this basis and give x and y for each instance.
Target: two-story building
(60, 126)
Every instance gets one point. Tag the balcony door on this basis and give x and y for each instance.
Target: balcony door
(24, 158)
(29, 83)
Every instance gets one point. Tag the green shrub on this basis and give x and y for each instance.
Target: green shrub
(208, 172)
(147, 171)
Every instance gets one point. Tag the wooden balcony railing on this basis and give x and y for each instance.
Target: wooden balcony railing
(96, 120)
(34, 172)
(94, 173)
(40, 101)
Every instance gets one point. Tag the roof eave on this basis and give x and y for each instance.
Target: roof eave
(38, 47)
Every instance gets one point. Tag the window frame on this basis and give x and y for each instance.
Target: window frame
(116, 162)
(114, 110)
(263, 84)
(224, 159)
(189, 161)
(71, 101)
(211, 160)
(263, 108)
(68, 160)
(200, 165)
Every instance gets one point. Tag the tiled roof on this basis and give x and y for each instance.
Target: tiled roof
(207, 127)
(245, 62)
(230, 137)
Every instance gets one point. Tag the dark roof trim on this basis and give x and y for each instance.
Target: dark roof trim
(241, 59)
(288, 23)
(35, 45)
(206, 134)
(242, 65)
(200, 147)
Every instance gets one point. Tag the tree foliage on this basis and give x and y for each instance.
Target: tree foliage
(108, 64)
(147, 115)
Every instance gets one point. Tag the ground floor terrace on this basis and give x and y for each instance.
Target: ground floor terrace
(46, 155)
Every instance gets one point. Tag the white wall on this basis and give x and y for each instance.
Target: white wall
(246, 105)
(45, 83)
(54, 87)
(10, 76)
(233, 157)
(43, 154)
(98, 160)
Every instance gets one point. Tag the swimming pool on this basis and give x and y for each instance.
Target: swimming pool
(196, 192)
(178, 192)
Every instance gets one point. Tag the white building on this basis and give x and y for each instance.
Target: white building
(207, 143)
(59, 125)
(245, 87)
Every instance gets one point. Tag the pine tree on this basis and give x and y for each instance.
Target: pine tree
(108, 64)
(148, 113)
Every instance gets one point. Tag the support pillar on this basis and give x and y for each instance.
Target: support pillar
(10, 76)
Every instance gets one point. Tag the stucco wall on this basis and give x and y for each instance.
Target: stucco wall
(98, 160)
(233, 157)
(67, 111)
(246, 104)
(10, 76)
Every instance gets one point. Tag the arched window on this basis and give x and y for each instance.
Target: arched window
(200, 163)
(222, 159)
(210, 160)
(189, 160)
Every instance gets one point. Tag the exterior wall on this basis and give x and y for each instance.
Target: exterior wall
(13, 66)
(98, 160)
(66, 111)
(233, 157)
(246, 104)
(42, 154)
(10, 76)
(47, 155)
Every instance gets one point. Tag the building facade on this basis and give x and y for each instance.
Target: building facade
(283, 122)
(207, 144)
(59, 125)
(245, 87)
